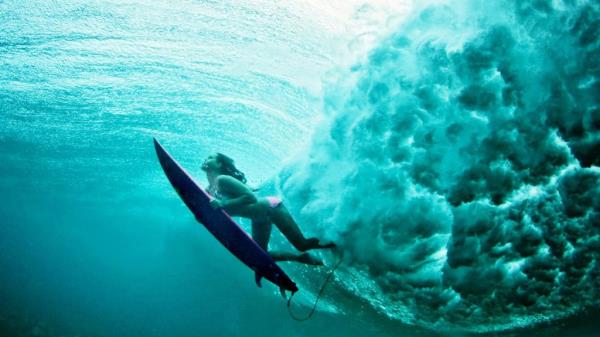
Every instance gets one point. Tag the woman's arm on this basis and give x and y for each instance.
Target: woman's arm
(242, 195)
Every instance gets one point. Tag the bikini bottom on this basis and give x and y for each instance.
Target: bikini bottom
(274, 201)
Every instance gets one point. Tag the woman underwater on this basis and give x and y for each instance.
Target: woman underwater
(228, 185)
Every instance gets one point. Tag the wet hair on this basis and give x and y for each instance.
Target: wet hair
(228, 167)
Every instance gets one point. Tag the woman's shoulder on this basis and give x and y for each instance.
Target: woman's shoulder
(224, 178)
(228, 183)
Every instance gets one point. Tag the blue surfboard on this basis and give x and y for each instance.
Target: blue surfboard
(221, 225)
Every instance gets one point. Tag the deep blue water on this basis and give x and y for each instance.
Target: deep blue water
(450, 148)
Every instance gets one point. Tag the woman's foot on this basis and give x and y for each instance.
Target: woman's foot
(309, 259)
(314, 243)
(330, 245)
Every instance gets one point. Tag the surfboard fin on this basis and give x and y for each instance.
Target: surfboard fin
(257, 278)
(282, 292)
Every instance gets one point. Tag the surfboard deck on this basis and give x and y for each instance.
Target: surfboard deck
(221, 225)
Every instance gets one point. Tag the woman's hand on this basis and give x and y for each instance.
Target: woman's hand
(216, 204)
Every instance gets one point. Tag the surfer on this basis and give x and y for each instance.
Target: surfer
(228, 185)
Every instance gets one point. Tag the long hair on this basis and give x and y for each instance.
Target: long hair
(228, 167)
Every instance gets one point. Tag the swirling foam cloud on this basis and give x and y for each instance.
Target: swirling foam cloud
(457, 166)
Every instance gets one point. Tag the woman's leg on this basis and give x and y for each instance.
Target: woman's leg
(289, 256)
(283, 220)
(261, 232)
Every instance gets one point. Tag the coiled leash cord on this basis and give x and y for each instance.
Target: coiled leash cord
(312, 311)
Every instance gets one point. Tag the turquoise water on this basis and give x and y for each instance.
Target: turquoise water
(449, 148)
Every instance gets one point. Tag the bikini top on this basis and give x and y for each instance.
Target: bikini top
(214, 192)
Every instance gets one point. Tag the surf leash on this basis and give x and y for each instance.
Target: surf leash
(312, 311)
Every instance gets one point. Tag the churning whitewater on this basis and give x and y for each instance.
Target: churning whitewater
(458, 166)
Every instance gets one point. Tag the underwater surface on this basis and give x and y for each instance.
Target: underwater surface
(451, 149)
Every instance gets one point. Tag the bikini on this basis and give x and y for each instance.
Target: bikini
(274, 201)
